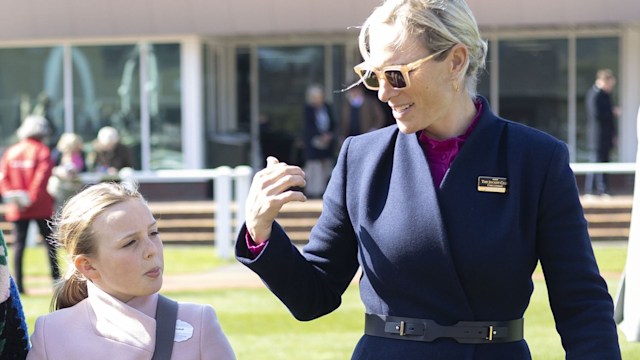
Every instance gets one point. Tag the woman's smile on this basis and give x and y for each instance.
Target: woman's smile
(401, 110)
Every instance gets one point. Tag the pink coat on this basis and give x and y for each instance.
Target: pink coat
(104, 328)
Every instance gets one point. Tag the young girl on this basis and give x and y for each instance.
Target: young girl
(106, 303)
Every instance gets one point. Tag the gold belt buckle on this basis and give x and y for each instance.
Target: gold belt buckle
(491, 333)
(401, 328)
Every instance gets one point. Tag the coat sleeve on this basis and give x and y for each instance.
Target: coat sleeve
(578, 295)
(38, 351)
(311, 284)
(213, 341)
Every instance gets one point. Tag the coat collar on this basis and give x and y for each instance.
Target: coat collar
(484, 139)
(132, 322)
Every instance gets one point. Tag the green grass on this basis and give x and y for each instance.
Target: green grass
(260, 327)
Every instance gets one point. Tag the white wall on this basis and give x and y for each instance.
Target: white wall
(554, 12)
(45, 19)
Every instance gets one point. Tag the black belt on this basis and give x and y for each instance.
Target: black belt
(467, 332)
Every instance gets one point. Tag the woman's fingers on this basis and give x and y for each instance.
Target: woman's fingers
(270, 190)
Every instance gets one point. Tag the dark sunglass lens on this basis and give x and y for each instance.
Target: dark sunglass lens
(395, 78)
(369, 78)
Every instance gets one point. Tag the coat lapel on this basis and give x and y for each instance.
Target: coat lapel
(480, 246)
(120, 322)
(412, 187)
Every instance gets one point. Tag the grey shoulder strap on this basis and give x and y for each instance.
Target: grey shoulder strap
(166, 316)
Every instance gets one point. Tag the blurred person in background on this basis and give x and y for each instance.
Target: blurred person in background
(361, 113)
(601, 128)
(319, 141)
(69, 162)
(109, 155)
(26, 167)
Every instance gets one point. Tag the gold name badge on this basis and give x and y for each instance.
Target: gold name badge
(492, 184)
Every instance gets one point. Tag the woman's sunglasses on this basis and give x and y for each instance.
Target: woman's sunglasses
(396, 75)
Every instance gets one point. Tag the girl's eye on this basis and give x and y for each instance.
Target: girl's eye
(129, 243)
(155, 233)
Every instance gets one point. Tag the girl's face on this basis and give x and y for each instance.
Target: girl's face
(426, 103)
(129, 260)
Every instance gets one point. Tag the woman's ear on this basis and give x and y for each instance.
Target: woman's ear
(84, 266)
(459, 58)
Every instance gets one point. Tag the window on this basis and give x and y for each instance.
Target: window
(284, 75)
(30, 82)
(164, 102)
(484, 76)
(106, 91)
(533, 84)
(592, 54)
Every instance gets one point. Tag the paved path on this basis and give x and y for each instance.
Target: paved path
(234, 275)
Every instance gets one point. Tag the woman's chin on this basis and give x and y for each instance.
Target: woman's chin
(405, 129)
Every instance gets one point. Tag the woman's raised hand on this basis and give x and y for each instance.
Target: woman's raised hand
(270, 190)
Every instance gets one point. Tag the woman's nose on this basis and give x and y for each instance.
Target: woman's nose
(385, 91)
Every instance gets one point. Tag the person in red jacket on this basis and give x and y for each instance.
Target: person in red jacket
(26, 167)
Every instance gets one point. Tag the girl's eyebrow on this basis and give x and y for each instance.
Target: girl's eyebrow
(128, 236)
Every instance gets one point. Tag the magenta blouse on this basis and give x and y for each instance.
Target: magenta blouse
(441, 153)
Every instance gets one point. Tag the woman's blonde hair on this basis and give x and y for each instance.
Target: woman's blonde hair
(438, 24)
(73, 229)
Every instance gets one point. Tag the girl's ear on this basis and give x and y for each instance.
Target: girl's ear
(84, 266)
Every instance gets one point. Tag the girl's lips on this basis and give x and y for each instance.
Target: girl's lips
(155, 272)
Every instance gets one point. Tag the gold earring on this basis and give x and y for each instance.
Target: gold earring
(455, 86)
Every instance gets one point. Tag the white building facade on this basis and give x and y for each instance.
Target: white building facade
(190, 84)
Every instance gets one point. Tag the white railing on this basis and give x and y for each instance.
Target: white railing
(232, 185)
(229, 185)
(609, 168)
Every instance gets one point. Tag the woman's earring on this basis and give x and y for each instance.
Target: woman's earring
(456, 86)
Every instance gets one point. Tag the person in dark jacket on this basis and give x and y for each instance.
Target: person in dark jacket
(361, 113)
(601, 128)
(319, 141)
(447, 214)
(109, 155)
(26, 167)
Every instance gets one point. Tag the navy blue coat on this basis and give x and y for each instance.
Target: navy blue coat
(453, 254)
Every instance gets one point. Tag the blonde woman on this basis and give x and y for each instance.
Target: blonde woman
(446, 214)
(105, 305)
